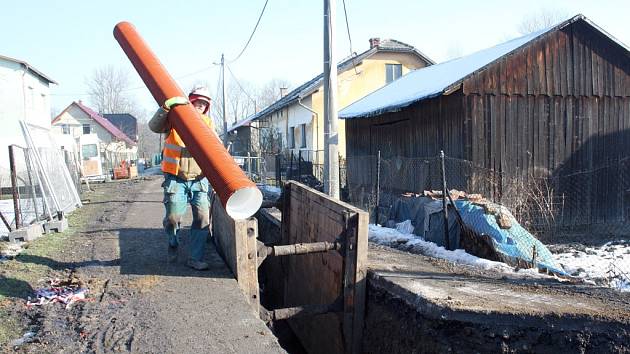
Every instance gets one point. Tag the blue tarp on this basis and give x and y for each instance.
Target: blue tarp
(512, 244)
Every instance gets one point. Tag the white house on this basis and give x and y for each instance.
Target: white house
(78, 119)
(24, 95)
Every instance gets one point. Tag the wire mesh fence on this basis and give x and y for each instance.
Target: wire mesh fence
(22, 200)
(41, 183)
(596, 201)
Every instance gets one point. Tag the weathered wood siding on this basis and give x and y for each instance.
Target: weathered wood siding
(559, 106)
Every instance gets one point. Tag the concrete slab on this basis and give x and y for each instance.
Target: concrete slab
(26, 233)
(56, 225)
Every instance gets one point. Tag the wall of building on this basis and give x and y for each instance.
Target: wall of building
(357, 82)
(23, 96)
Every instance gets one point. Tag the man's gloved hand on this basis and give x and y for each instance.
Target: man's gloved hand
(174, 101)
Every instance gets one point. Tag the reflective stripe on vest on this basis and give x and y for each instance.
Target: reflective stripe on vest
(173, 147)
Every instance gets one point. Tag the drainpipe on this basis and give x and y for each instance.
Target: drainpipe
(316, 125)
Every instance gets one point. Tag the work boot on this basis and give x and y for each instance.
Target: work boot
(172, 254)
(197, 265)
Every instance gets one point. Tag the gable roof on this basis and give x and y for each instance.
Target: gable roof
(126, 122)
(107, 125)
(385, 45)
(435, 80)
(30, 68)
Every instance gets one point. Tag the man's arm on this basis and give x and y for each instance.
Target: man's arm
(159, 121)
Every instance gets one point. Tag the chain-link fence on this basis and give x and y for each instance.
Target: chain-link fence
(41, 182)
(21, 201)
(593, 202)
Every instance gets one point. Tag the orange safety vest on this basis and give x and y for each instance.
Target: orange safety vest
(173, 147)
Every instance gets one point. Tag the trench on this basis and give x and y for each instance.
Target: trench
(400, 317)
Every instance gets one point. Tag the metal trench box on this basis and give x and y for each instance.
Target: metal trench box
(322, 254)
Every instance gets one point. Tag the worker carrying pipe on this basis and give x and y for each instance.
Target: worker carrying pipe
(240, 196)
(184, 183)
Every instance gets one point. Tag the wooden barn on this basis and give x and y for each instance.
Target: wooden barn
(554, 104)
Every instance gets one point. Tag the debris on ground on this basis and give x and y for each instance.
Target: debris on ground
(476, 225)
(407, 241)
(26, 338)
(66, 292)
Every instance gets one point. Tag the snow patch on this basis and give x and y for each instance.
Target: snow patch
(416, 244)
(607, 265)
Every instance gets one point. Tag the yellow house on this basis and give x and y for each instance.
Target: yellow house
(295, 122)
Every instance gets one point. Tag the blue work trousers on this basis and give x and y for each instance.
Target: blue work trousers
(178, 193)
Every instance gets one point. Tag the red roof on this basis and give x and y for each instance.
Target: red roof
(117, 133)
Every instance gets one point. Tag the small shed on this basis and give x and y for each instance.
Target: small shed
(554, 104)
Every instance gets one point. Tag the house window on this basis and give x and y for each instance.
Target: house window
(291, 137)
(392, 72)
(86, 129)
(65, 128)
(303, 136)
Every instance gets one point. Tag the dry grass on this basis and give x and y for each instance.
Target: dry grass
(145, 283)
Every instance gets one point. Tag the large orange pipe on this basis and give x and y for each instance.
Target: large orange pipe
(239, 196)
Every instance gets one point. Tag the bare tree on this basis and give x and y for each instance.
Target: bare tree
(270, 92)
(109, 90)
(540, 20)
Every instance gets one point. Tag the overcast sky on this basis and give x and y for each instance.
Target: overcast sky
(67, 40)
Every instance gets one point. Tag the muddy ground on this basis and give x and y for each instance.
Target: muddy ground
(452, 308)
(137, 302)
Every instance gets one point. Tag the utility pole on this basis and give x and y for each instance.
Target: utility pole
(225, 136)
(331, 154)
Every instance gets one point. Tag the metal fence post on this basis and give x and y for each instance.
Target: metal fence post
(30, 181)
(378, 186)
(14, 188)
(249, 165)
(299, 177)
(278, 170)
(447, 241)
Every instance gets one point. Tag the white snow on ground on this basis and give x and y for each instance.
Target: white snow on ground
(608, 265)
(394, 238)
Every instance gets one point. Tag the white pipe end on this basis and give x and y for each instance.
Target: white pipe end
(244, 203)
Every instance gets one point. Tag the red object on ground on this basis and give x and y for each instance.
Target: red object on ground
(240, 196)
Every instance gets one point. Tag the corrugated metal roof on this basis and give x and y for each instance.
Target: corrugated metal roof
(434, 80)
(30, 68)
(105, 123)
(308, 87)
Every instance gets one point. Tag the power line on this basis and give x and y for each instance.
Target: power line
(252, 35)
(241, 87)
(137, 87)
(345, 13)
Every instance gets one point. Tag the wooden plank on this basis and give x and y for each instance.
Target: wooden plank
(236, 243)
(569, 68)
(311, 216)
(548, 48)
(562, 63)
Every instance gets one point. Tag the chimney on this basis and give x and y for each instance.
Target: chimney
(374, 42)
(283, 91)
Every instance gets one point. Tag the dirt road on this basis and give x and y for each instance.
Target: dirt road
(137, 302)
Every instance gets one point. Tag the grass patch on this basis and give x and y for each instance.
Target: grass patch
(10, 328)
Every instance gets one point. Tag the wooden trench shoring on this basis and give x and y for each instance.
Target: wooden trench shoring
(323, 250)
